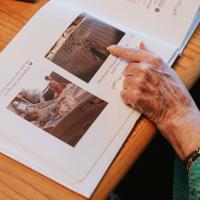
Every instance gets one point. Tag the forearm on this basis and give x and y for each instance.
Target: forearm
(183, 132)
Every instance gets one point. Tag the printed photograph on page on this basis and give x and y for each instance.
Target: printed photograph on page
(81, 50)
(58, 107)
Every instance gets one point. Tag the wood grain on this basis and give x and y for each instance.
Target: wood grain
(18, 182)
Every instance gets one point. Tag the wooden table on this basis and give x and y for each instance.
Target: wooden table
(20, 183)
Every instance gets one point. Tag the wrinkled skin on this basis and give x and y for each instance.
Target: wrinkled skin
(155, 90)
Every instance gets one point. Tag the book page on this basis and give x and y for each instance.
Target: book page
(168, 20)
(60, 90)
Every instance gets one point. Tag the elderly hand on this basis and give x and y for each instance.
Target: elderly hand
(154, 89)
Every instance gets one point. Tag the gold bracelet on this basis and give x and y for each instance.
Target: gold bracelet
(191, 158)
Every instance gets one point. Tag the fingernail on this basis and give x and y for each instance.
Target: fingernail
(111, 47)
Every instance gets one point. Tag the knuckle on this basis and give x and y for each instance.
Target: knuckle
(129, 53)
(142, 86)
(155, 60)
(126, 70)
(144, 73)
(129, 69)
(128, 82)
(127, 96)
(143, 68)
(124, 96)
(137, 103)
(125, 84)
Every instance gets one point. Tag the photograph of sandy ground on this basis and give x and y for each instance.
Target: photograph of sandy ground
(81, 50)
(61, 108)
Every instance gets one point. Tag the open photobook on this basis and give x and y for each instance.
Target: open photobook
(61, 110)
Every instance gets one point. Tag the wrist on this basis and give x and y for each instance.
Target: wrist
(182, 131)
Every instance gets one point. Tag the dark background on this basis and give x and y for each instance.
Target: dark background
(151, 176)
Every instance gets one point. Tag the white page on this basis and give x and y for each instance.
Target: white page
(33, 42)
(168, 20)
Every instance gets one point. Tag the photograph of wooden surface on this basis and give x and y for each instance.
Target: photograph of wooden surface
(81, 50)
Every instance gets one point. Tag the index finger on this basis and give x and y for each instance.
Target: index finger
(130, 54)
